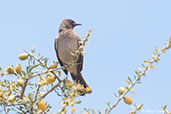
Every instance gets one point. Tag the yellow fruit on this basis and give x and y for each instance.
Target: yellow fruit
(11, 98)
(128, 100)
(20, 82)
(10, 70)
(40, 84)
(42, 105)
(151, 66)
(51, 79)
(88, 90)
(18, 68)
(53, 65)
(121, 90)
(23, 56)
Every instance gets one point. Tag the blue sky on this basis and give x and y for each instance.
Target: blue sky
(124, 34)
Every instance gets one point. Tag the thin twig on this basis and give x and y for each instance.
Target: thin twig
(38, 74)
(55, 86)
(23, 88)
(37, 91)
(5, 109)
(14, 105)
(35, 58)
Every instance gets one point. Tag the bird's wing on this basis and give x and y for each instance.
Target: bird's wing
(80, 58)
(80, 61)
(56, 49)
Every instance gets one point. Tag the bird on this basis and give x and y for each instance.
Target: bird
(66, 44)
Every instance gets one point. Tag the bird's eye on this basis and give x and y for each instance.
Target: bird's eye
(71, 21)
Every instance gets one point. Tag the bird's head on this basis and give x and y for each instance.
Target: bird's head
(68, 24)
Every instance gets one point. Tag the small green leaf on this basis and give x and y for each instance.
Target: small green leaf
(139, 82)
(139, 107)
(127, 88)
(129, 79)
(115, 95)
(31, 58)
(33, 50)
(93, 111)
(128, 82)
(100, 111)
(41, 58)
(30, 95)
(46, 62)
(23, 73)
(146, 61)
(108, 104)
(136, 72)
(165, 106)
(143, 65)
(8, 109)
(78, 102)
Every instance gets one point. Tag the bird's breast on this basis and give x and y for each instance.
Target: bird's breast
(66, 46)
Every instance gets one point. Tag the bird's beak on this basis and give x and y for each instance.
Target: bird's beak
(77, 24)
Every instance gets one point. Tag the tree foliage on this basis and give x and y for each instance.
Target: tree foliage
(24, 92)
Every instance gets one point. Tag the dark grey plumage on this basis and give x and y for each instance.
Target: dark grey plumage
(67, 43)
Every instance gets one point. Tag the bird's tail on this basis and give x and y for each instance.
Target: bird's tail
(80, 80)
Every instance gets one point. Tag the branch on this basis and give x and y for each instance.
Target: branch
(43, 65)
(155, 58)
(24, 87)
